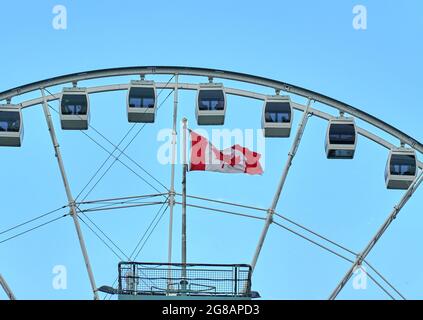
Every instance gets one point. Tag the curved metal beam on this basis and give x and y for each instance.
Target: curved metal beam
(231, 91)
(223, 74)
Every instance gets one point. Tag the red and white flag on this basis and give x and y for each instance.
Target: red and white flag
(236, 159)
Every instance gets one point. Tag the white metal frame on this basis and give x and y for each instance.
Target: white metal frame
(172, 177)
(231, 91)
(271, 210)
(222, 74)
(362, 256)
(403, 138)
(71, 201)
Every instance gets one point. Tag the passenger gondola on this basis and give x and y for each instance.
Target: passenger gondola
(277, 116)
(11, 126)
(141, 101)
(74, 109)
(341, 138)
(401, 168)
(211, 104)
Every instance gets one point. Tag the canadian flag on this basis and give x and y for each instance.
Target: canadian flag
(236, 159)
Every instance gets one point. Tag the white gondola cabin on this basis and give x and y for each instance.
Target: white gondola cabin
(11, 126)
(341, 138)
(277, 116)
(211, 104)
(142, 101)
(401, 168)
(74, 109)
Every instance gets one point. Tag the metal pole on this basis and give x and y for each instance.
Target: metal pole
(6, 288)
(172, 181)
(184, 204)
(362, 256)
(271, 210)
(71, 200)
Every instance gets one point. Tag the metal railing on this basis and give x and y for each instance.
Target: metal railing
(221, 280)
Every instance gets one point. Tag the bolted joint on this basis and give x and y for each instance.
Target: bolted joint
(394, 216)
(270, 213)
(396, 211)
(360, 259)
(171, 200)
(174, 135)
(72, 204)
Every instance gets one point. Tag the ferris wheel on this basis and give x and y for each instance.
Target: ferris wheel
(167, 279)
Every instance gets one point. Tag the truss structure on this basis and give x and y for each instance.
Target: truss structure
(169, 197)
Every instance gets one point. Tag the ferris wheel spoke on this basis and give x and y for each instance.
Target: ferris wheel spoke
(71, 200)
(111, 154)
(308, 239)
(271, 211)
(345, 259)
(392, 216)
(6, 288)
(81, 210)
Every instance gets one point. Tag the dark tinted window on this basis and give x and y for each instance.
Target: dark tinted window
(10, 121)
(277, 112)
(141, 98)
(341, 154)
(403, 165)
(74, 104)
(211, 100)
(342, 134)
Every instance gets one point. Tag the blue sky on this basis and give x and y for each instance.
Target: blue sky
(310, 44)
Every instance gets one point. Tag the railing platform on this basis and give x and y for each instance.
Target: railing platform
(157, 281)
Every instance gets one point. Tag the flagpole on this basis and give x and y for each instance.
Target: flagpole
(184, 205)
